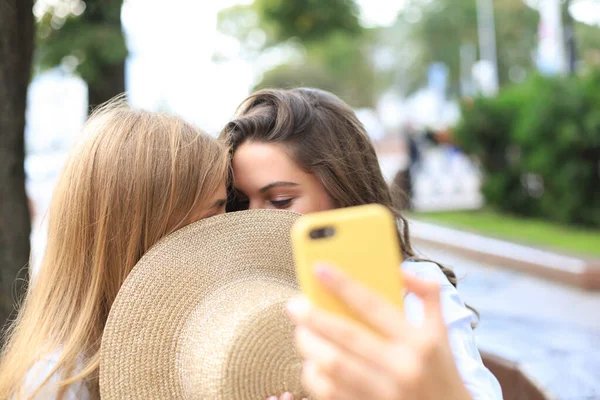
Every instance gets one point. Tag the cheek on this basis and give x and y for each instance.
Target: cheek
(325, 202)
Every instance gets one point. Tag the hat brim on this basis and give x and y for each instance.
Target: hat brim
(149, 321)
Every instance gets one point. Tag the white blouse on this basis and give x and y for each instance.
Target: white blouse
(38, 373)
(479, 381)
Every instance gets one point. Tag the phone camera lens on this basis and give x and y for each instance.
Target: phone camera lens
(322, 233)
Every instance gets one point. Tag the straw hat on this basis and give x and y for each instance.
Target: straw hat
(202, 315)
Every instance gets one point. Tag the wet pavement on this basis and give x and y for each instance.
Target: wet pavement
(550, 330)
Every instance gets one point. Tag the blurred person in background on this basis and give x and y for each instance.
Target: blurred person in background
(304, 150)
(134, 178)
(402, 184)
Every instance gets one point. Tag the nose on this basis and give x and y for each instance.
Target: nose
(254, 205)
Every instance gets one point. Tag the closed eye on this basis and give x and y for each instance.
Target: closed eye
(281, 203)
(219, 204)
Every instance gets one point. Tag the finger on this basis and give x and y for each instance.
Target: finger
(381, 315)
(321, 386)
(286, 396)
(340, 332)
(429, 292)
(346, 372)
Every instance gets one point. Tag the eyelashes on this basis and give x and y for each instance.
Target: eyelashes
(238, 202)
(281, 203)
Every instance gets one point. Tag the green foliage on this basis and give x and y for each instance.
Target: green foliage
(350, 81)
(289, 76)
(587, 39)
(94, 38)
(242, 23)
(308, 20)
(335, 50)
(539, 146)
(339, 64)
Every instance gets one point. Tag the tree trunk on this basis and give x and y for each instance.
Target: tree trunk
(110, 84)
(16, 49)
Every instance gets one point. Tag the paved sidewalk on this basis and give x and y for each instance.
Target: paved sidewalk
(550, 330)
(572, 270)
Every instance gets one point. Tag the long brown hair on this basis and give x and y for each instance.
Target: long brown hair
(135, 177)
(325, 138)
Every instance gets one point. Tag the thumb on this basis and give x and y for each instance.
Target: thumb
(429, 293)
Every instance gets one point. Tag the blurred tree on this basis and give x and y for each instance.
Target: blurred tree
(587, 39)
(242, 23)
(268, 23)
(297, 75)
(438, 28)
(582, 40)
(339, 64)
(334, 50)
(16, 49)
(87, 36)
(308, 20)
(395, 55)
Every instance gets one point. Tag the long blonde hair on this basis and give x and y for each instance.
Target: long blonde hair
(135, 177)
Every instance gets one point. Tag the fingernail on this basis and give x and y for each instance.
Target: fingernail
(297, 308)
(287, 396)
(272, 398)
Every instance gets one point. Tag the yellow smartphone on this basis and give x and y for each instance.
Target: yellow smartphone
(361, 241)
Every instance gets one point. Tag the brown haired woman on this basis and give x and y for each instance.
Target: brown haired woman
(135, 177)
(305, 150)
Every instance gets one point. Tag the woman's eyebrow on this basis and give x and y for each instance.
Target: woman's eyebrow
(276, 184)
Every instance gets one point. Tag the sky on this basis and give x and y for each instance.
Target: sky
(171, 64)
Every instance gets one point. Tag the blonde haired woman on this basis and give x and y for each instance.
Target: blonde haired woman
(135, 177)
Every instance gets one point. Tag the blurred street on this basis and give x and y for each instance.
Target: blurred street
(551, 331)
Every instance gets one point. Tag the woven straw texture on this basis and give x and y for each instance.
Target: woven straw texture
(202, 315)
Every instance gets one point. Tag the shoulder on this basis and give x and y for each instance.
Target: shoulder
(453, 307)
(427, 271)
(41, 370)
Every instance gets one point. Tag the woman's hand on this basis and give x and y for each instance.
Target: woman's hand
(393, 360)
